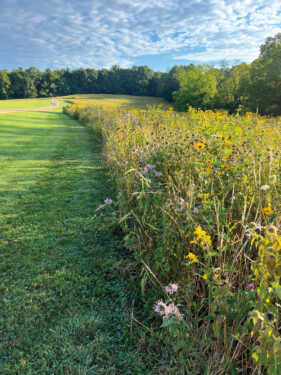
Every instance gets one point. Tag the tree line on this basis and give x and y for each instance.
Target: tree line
(254, 87)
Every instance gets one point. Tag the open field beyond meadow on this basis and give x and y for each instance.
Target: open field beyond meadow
(117, 101)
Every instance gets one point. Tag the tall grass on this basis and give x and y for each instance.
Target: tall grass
(199, 201)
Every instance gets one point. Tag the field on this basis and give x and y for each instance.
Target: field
(199, 199)
(24, 103)
(196, 198)
(67, 283)
(117, 101)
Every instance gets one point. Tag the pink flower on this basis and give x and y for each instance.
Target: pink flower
(160, 308)
(251, 286)
(171, 288)
(173, 310)
(108, 201)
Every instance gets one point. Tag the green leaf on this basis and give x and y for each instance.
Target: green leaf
(278, 291)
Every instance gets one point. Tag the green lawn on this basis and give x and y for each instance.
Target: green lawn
(24, 103)
(67, 284)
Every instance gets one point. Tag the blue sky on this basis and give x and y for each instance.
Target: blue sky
(158, 33)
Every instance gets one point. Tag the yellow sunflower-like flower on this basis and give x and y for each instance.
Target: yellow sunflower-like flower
(199, 146)
(268, 210)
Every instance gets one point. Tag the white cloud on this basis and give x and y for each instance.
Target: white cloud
(101, 33)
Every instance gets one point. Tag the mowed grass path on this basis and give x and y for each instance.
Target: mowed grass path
(66, 289)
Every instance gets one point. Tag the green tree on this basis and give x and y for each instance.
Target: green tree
(4, 84)
(198, 88)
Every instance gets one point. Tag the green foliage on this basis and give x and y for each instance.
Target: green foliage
(198, 87)
(4, 84)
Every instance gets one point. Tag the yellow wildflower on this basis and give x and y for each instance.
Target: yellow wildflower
(227, 143)
(202, 237)
(203, 195)
(192, 257)
(199, 146)
(268, 210)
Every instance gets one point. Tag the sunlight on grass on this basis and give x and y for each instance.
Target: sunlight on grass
(24, 103)
(120, 101)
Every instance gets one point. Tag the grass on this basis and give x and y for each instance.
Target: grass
(67, 283)
(120, 101)
(24, 103)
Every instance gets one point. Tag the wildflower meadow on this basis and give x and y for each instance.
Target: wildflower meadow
(199, 201)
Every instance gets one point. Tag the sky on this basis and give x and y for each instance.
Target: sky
(159, 33)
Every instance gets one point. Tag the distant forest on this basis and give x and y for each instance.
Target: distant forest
(254, 87)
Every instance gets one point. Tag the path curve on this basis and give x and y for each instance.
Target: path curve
(53, 105)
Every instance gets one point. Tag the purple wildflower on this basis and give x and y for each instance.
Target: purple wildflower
(251, 286)
(148, 166)
(145, 171)
(259, 226)
(171, 288)
(173, 310)
(108, 201)
(160, 308)
(158, 174)
(195, 210)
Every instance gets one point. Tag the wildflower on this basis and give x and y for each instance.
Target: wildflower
(172, 309)
(171, 288)
(192, 257)
(195, 210)
(205, 276)
(145, 171)
(148, 166)
(268, 210)
(124, 163)
(158, 174)
(264, 187)
(108, 201)
(202, 237)
(199, 146)
(160, 308)
(227, 143)
(251, 286)
(203, 196)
